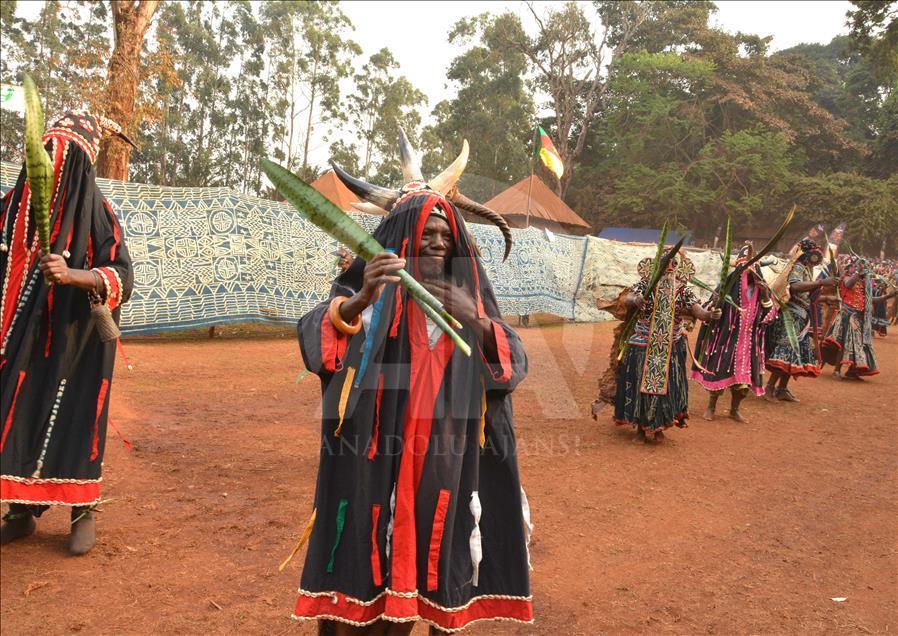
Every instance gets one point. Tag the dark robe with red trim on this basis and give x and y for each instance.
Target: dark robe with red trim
(419, 510)
(56, 373)
(731, 349)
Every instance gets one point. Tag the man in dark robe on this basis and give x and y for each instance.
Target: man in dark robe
(55, 369)
(419, 512)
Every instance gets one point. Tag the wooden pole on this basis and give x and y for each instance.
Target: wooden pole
(532, 170)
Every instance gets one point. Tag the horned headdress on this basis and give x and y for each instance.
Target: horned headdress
(380, 200)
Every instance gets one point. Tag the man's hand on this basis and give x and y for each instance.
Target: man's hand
(55, 269)
(379, 271)
(460, 303)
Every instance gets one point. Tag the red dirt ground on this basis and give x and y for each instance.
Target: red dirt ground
(724, 528)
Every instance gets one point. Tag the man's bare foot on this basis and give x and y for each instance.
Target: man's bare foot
(709, 415)
(836, 374)
(659, 437)
(736, 415)
(640, 436)
(770, 394)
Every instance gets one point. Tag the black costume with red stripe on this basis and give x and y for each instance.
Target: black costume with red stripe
(55, 372)
(409, 459)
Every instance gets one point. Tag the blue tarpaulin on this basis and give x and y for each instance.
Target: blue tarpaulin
(638, 235)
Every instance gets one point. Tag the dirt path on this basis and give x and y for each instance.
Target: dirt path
(724, 528)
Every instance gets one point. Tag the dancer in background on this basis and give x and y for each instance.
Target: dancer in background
(787, 359)
(731, 353)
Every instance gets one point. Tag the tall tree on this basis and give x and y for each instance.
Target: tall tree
(131, 19)
(493, 107)
(383, 101)
(873, 28)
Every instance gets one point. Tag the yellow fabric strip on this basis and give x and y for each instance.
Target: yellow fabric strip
(302, 540)
(344, 398)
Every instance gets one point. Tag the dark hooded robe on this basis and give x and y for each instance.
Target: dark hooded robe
(419, 512)
(55, 372)
(731, 350)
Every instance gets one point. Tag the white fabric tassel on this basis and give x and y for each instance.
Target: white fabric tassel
(528, 525)
(476, 542)
(390, 524)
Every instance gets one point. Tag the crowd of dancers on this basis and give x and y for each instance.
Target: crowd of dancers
(814, 309)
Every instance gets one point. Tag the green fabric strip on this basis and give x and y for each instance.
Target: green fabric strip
(341, 521)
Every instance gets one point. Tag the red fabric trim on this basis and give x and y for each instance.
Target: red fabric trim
(101, 402)
(12, 409)
(804, 371)
(427, 369)
(114, 293)
(57, 174)
(16, 263)
(831, 342)
(394, 607)
(504, 352)
(49, 321)
(42, 491)
(854, 369)
(372, 445)
(116, 234)
(436, 540)
(90, 252)
(333, 345)
(375, 550)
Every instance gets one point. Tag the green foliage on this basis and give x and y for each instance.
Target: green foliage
(874, 31)
(493, 108)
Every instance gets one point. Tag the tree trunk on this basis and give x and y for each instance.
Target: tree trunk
(131, 19)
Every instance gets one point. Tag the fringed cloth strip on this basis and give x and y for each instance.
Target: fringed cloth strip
(12, 410)
(482, 413)
(344, 398)
(372, 445)
(101, 404)
(377, 578)
(306, 533)
(436, 540)
(341, 522)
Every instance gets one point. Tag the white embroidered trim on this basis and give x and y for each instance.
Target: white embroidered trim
(49, 480)
(393, 619)
(118, 280)
(53, 413)
(475, 542)
(106, 284)
(349, 599)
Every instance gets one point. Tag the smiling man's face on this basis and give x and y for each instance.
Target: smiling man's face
(435, 247)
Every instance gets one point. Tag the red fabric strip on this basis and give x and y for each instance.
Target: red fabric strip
(12, 409)
(15, 263)
(333, 345)
(116, 234)
(375, 551)
(436, 540)
(114, 293)
(40, 491)
(372, 445)
(101, 402)
(504, 352)
(397, 314)
(399, 607)
(90, 252)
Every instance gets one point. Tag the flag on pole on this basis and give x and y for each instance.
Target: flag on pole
(12, 97)
(545, 149)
